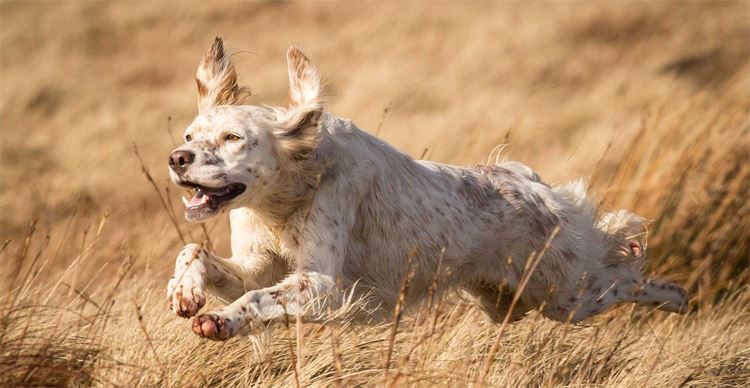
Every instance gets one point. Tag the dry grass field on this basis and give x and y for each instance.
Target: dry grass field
(650, 100)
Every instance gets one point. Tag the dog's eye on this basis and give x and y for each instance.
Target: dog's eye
(232, 137)
(188, 138)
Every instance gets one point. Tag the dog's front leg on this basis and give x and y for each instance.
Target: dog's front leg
(196, 269)
(307, 294)
(186, 289)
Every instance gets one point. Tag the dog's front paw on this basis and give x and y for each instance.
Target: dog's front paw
(185, 291)
(212, 326)
(225, 323)
(187, 297)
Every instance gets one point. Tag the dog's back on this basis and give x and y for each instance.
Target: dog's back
(482, 223)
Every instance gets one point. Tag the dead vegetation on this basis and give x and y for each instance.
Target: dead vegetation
(650, 100)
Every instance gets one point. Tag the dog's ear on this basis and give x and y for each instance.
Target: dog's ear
(217, 79)
(299, 133)
(304, 81)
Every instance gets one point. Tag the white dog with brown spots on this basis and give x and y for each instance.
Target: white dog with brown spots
(320, 209)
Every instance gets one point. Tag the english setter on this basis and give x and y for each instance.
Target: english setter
(320, 209)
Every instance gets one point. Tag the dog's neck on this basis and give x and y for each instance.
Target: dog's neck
(275, 221)
(290, 194)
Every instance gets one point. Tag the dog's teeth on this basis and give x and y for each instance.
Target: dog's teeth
(185, 201)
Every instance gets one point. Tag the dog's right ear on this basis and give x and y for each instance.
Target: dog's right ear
(217, 79)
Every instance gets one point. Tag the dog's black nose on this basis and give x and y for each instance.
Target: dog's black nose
(180, 160)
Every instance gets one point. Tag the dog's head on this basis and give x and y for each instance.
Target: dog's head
(234, 154)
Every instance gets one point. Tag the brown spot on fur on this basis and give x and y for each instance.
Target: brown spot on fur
(310, 119)
(567, 254)
(477, 190)
(211, 159)
(543, 219)
(591, 281)
(304, 284)
(276, 295)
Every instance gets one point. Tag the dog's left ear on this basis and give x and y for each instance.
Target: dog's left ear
(217, 79)
(299, 133)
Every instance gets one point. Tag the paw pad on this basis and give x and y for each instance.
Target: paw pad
(211, 326)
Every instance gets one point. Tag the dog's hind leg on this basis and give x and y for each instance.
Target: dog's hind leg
(664, 295)
(627, 236)
(602, 296)
(617, 280)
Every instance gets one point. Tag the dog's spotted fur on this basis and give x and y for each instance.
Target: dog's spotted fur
(329, 209)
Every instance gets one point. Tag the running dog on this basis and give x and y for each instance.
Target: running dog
(321, 210)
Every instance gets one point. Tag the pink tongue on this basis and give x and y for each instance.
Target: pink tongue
(196, 200)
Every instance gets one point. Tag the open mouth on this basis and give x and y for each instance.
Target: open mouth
(208, 200)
